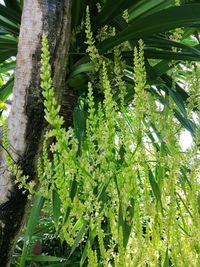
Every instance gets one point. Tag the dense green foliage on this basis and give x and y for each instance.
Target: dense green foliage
(10, 18)
(121, 189)
(136, 196)
(122, 182)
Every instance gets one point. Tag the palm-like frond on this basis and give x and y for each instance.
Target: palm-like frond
(10, 18)
(152, 21)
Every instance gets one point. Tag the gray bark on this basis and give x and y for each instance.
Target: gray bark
(26, 121)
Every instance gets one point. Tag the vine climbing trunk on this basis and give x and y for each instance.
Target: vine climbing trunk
(26, 124)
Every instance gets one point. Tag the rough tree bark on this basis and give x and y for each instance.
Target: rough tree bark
(26, 124)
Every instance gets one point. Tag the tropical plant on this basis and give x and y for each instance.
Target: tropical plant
(10, 20)
(103, 56)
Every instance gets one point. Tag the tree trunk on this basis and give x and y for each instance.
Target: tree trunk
(26, 121)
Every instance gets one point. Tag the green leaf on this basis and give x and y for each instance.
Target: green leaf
(188, 124)
(79, 119)
(185, 204)
(56, 204)
(182, 16)
(102, 192)
(6, 89)
(154, 186)
(164, 43)
(8, 40)
(3, 32)
(73, 190)
(153, 50)
(79, 236)
(7, 53)
(119, 23)
(120, 212)
(42, 258)
(166, 262)
(162, 67)
(10, 14)
(33, 219)
(184, 171)
(169, 55)
(169, 83)
(78, 9)
(90, 241)
(78, 81)
(178, 100)
(144, 8)
(128, 223)
(86, 67)
(9, 26)
(152, 136)
(7, 66)
(78, 224)
(111, 9)
(120, 219)
(14, 5)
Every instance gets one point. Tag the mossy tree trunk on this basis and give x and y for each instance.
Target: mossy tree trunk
(26, 124)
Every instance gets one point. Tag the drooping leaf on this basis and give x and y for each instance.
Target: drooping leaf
(92, 235)
(79, 236)
(182, 16)
(10, 66)
(42, 258)
(144, 8)
(6, 89)
(162, 67)
(169, 55)
(154, 186)
(165, 43)
(169, 82)
(10, 14)
(178, 100)
(14, 5)
(77, 225)
(111, 9)
(9, 26)
(187, 123)
(85, 67)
